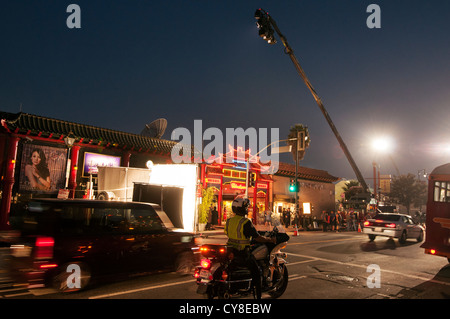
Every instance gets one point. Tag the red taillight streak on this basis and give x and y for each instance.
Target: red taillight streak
(45, 266)
(44, 247)
(45, 241)
(392, 225)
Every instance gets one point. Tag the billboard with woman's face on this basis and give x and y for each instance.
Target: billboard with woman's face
(43, 168)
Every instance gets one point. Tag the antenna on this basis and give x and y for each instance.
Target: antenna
(155, 129)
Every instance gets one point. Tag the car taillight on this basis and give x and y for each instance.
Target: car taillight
(44, 247)
(391, 225)
(367, 223)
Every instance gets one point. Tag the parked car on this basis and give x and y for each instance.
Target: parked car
(93, 239)
(394, 226)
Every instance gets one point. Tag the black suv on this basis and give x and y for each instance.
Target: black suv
(66, 243)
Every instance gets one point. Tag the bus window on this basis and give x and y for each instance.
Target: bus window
(442, 191)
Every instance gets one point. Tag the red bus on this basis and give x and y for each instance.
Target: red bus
(437, 240)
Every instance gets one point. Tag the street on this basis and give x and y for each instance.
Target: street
(321, 266)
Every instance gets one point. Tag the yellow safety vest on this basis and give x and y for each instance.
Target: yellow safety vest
(234, 229)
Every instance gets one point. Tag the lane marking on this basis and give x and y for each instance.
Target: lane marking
(323, 241)
(365, 267)
(192, 281)
(299, 262)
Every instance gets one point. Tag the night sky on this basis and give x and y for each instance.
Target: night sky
(134, 61)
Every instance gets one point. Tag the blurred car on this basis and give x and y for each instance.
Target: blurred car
(394, 226)
(66, 243)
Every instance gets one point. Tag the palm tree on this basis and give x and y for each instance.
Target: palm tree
(351, 188)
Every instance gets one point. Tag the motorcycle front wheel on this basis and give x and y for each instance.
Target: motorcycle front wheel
(281, 285)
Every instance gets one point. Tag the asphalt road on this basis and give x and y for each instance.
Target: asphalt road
(321, 266)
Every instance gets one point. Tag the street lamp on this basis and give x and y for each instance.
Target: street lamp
(421, 172)
(385, 145)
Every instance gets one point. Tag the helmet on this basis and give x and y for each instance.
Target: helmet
(240, 206)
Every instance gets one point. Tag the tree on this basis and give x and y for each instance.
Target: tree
(207, 200)
(405, 190)
(351, 188)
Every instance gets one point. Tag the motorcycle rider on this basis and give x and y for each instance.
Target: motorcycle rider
(240, 230)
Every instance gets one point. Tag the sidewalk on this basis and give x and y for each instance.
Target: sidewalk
(218, 231)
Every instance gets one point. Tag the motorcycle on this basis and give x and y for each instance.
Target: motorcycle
(222, 274)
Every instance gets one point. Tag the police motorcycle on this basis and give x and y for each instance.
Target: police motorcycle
(222, 274)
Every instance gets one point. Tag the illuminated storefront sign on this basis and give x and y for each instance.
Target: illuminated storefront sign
(93, 160)
(237, 185)
(213, 180)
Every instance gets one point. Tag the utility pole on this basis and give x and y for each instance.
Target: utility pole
(264, 23)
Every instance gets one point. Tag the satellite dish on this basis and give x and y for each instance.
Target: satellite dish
(105, 195)
(155, 129)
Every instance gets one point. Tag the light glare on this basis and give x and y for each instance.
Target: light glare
(383, 144)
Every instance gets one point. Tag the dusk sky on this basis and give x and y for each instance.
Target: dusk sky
(135, 61)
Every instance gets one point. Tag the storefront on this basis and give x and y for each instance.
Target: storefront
(44, 157)
(316, 191)
(229, 181)
(69, 154)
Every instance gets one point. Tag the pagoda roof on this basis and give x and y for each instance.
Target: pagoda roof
(288, 170)
(55, 129)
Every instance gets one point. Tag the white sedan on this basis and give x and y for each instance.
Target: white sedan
(394, 226)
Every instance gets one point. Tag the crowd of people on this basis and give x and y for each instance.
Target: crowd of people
(338, 221)
(328, 221)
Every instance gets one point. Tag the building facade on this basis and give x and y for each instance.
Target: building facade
(45, 157)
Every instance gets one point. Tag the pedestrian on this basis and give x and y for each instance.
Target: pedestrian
(288, 217)
(268, 216)
(325, 220)
(283, 217)
(354, 218)
(333, 220)
(339, 221)
(214, 217)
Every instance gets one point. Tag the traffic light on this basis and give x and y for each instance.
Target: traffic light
(293, 185)
(301, 141)
(252, 180)
(263, 24)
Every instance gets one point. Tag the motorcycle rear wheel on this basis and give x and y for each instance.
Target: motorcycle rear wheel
(282, 284)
